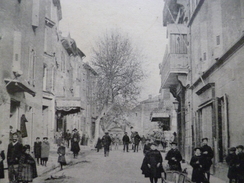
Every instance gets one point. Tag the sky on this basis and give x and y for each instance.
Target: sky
(87, 20)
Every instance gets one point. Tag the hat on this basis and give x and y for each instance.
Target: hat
(26, 147)
(155, 144)
(240, 146)
(106, 132)
(205, 139)
(232, 149)
(175, 143)
(197, 148)
(75, 129)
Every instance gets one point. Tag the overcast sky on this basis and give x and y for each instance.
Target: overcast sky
(87, 20)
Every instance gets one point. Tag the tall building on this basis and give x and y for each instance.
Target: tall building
(203, 70)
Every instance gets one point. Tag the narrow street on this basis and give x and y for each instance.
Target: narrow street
(119, 167)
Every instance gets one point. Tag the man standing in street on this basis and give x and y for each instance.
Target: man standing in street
(207, 154)
(126, 141)
(174, 158)
(240, 163)
(67, 137)
(106, 140)
(13, 156)
(137, 140)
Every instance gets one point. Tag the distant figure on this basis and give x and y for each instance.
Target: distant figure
(45, 151)
(143, 141)
(112, 142)
(116, 142)
(13, 157)
(137, 140)
(67, 137)
(37, 149)
(76, 135)
(2, 158)
(197, 163)
(126, 141)
(99, 144)
(207, 154)
(61, 155)
(106, 140)
(240, 165)
(147, 147)
(152, 164)
(174, 158)
(75, 148)
(27, 166)
(232, 161)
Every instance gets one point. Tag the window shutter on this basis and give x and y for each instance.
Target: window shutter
(17, 52)
(35, 13)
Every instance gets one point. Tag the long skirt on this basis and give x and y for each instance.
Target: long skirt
(25, 173)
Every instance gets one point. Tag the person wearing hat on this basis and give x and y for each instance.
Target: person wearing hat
(152, 164)
(207, 154)
(231, 160)
(27, 166)
(147, 147)
(197, 164)
(137, 140)
(106, 140)
(240, 163)
(61, 155)
(174, 158)
(126, 141)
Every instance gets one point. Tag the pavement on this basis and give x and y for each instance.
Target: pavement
(91, 167)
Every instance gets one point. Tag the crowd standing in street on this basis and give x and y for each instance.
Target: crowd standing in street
(126, 141)
(207, 154)
(137, 140)
(27, 166)
(37, 149)
(174, 158)
(61, 155)
(152, 164)
(106, 140)
(2, 158)
(13, 157)
(45, 151)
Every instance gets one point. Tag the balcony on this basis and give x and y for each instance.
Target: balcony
(173, 65)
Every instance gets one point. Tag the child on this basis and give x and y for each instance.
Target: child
(37, 149)
(75, 148)
(45, 151)
(61, 157)
(152, 164)
(197, 163)
(231, 160)
(27, 166)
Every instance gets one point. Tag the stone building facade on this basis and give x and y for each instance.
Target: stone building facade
(205, 74)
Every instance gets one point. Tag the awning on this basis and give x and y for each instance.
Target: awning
(69, 105)
(158, 116)
(14, 86)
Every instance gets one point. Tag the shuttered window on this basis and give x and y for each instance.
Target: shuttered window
(178, 43)
(17, 52)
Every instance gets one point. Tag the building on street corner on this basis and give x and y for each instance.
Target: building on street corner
(203, 68)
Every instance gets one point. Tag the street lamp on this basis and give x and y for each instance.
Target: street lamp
(176, 105)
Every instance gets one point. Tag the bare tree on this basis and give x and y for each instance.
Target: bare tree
(119, 67)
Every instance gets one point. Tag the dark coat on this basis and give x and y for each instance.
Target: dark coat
(174, 164)
(99, 144)
(61, 155)
(240, 165)
(137, 139)
(147, 148)
(126, 139)
(232, 161)
(14, 153)
(152, 158)
(207, 157)
(75, 148)
(2, 155)
(45, 149)
(197, 163)
(37, 149)
(27, 168)
(106, 140)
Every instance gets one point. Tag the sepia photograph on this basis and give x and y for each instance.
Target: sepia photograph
(121, 91)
